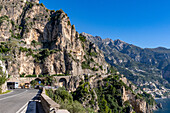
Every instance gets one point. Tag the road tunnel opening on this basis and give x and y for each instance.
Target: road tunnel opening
(63, 82)
(39, 80)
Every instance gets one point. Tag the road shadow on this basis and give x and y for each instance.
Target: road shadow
(34, 105)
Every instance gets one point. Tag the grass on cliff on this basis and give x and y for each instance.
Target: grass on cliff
(8, 91)
(83, 39)
(2, 18)
(2, 77)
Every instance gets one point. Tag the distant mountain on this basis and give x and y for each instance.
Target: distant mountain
(166, 72)
(139, 65)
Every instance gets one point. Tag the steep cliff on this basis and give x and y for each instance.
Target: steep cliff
(40, 41)
(166, 72)
(113, 93)
(144, 67)
(103, 94)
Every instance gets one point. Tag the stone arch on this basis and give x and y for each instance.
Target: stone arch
(62, 82)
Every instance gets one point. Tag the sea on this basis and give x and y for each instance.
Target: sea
(165, 105)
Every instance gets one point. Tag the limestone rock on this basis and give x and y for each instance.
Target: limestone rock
(47, 42)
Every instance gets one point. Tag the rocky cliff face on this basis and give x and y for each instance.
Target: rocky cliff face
(166, 72)
(41, 41)
(108, 89)
(141, 66)
(35, 40)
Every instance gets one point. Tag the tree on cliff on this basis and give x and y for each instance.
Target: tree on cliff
(3, 78)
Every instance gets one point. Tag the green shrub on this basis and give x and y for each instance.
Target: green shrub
(3, 43)
(65, 99)
(60, 11)
(42, 75)
(110, 95)
(49, 80)
(104, 108)
(78, 108)
(5, 17)
(1, 7)
(35, 43)
(52, 11)
(42, 5)
(23, 49)
(34, 83)
(72, 27)
(93, 54)
(17, 36)
(85, 57)
(95, 69)
(148, 97)
(22, 75)
(45, 53)
(4, 49)
(69, 23)
(112, 70)
(64, 95)
(101, 67)
(85, 65)
(59, 75)
(2, 18)
(83, 39)
(30, 5)
(91, 60)
(3, 77)
(31, 75)
(81, 92)
(12, 22)
(20, 27)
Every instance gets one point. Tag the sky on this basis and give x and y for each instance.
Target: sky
(144, 23)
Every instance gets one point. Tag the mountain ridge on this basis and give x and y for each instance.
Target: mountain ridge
(140, 63)
(38, 42)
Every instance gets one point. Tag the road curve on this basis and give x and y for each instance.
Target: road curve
(12, 102)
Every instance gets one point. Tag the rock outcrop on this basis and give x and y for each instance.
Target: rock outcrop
(45, 42)
(141, 66)
(130, 93)
(166, 72)
(38, 41)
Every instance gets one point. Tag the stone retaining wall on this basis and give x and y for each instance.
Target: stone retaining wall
(49, 105)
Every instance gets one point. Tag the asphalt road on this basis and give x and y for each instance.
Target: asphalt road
(14, 101)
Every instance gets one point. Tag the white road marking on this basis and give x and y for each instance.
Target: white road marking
(19, 111)
(13, 95)
(24, 108)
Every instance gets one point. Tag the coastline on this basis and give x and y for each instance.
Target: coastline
(165, 102)
(162, 98)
